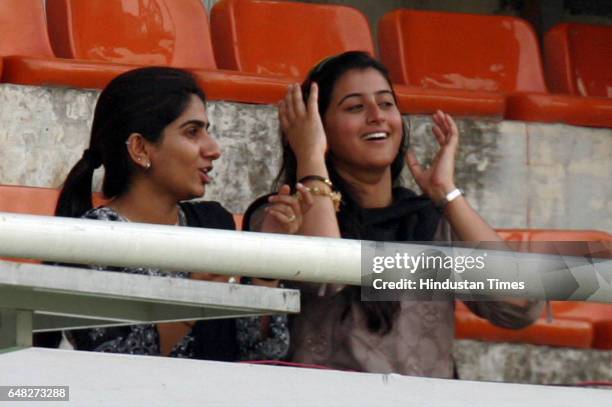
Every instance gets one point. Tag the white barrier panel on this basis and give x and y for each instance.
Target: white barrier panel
(103, 379)
(84, 241)
(299, 258)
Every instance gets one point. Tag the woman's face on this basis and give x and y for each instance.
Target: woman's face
(362, 123)
(182, 160)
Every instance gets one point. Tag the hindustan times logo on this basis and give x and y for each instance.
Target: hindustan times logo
(403, 261)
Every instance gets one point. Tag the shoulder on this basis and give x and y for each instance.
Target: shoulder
(103, 213)
(208, 214)
(254, 214)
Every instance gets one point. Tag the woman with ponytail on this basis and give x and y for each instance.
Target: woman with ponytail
(150, 134)
(344, 138)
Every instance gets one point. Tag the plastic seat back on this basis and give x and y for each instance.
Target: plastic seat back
(140, 32)
(23, 30)
(579, 58)
(34, 200)
(591, 243)
(461, 51)
(28, 200)
(284, 38)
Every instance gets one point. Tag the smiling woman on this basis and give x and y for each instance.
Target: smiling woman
(150, 133)
(343, 135)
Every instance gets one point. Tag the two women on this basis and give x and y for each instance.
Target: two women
(345, 142)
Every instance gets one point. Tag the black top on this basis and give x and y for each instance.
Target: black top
(209, 339)
(409, 218)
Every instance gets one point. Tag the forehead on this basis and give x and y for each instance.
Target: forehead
(195, 110)
(362, 81)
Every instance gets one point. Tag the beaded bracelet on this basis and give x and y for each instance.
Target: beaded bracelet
(334, 195)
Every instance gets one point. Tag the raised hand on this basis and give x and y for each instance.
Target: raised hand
(439, 179)
(285, 213)
(301, 123)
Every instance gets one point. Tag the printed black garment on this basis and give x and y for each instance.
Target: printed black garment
(221, 339)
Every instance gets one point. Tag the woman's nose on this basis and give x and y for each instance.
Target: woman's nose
(375, 114)
(210, 147)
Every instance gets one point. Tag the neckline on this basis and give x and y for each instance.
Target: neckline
(181, 221)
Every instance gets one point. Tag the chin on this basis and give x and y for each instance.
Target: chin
(194, 194)
(380, 163)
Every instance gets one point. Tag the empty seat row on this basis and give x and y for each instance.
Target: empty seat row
(494, 53)
(92, 41)
(464, 64)
(575, 324)
(288, 38)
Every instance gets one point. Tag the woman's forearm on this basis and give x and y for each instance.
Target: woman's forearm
(320, 220)
(467, 224)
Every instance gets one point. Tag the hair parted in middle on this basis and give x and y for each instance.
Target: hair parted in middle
(143, 101)
(326, 74)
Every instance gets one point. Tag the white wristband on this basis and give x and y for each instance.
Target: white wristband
(452, 195)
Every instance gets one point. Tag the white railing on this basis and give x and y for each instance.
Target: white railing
(83, 241)
(298, 258)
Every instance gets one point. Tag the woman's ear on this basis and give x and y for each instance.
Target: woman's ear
(138, 149)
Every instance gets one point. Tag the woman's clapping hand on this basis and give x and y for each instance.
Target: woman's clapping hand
(439, 179)
(285, 212)
(301, 123)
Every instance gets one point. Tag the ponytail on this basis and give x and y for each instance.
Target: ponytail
(75, 197)
(144, 101)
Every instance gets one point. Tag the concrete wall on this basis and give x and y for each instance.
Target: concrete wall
(517, 174)
(520, 363)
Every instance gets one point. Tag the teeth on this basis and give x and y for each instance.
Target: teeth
(376, 136)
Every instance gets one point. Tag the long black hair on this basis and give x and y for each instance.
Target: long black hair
(326, 74)
(143, 101)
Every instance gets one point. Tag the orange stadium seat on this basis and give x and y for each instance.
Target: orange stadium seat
(481, 53)
(28, 57)
(575, 324)
(90, 56)
(566, 242)
(577, 59)
(134, 32)
(559, 332)
(284, 38)
(33, 200)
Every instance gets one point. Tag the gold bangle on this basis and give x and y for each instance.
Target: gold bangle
(319, 178)
(335, 196)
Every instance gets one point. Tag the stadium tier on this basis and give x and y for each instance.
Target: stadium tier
(256, 48)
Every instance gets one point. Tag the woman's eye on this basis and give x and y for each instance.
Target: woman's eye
(386, 105)
(354, 108)
(193, 132)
